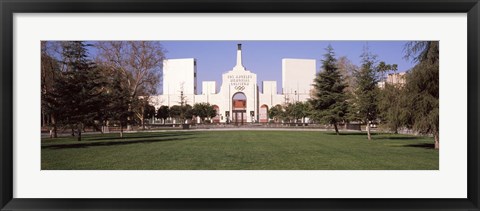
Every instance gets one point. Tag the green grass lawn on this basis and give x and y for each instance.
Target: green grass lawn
(269, 150)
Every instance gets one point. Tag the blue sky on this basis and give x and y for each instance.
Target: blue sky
(265, 57)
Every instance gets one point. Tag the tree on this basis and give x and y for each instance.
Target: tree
(187, 112)
(422, 51)
(288, 113)
(163, 113)
(80, 89)
(392, 100)
(118, 109)
(276, 113)
(149, 112)
(199, 110)
(204, 110)
(50, 71)
(329, 102)
(304, 110)
(367, 92)
(422, 86)
(393, 106)
(184, 108)
(175, 111)
(211, 111)
(295, 111)
(138, 61)
(146, 111)
(347, 70)
(384, 68)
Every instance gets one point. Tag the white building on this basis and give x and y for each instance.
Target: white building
(297, 78)
(398, 79)
(179, 74)
(239, 98)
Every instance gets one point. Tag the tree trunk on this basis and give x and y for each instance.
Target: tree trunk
(437, 141)
(102, 128)
(43, 120)
(79, 130)
(129, 118)
(336, 128)
(143, 118)
(54, 123)
(106, 128)
(73, 131)
(121, 130)
(368, 132)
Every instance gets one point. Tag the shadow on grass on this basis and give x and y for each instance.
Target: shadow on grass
(136, 136)
(400, 137)
(380, 136)
(124, 141)
(425, 146)
(350, 133)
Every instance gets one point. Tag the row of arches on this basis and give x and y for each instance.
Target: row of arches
(239, 111)
(239, 106)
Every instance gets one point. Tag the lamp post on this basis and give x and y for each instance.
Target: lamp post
(295, 95)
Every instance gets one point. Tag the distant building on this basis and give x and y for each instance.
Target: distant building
(239, 98)
(381, 84)
(393, 79)
(297, 78)
(396, 78)
(180, 74)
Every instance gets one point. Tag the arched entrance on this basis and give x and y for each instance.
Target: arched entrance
(263, 114)
(216, 119)
(239, 108)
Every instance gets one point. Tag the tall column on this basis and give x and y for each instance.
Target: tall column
(239, 58)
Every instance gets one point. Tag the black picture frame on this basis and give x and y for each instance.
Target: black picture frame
(9, 7)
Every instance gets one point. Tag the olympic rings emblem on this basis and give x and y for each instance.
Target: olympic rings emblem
(239, 88)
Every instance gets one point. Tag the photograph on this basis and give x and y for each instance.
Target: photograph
(240, 105)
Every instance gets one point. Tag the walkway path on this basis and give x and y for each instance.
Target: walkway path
(46, 135)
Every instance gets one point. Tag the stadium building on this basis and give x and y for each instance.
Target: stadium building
(238, 100)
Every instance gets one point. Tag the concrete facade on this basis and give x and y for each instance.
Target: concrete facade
(180, 74)
(297, 78)
(398, 79)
